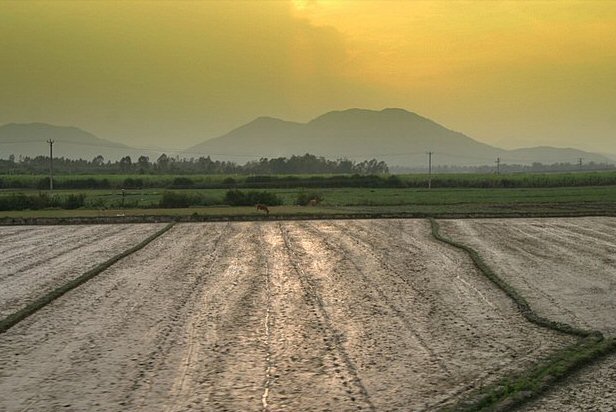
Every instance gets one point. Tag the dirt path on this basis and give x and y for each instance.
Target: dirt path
(312, 316)
(35, 260)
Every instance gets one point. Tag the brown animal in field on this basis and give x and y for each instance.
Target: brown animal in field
(263, 208)
(313, 202)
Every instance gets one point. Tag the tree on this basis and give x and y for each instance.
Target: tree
(98, 161)
(143, 163)
(125, 163)
(162, 161)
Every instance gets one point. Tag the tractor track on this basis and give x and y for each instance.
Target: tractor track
(355, 388)
(267, 328)
(384, 299)
(153, 360)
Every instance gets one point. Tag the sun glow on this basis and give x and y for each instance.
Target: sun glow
(455, 61)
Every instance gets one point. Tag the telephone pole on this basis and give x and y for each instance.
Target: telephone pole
(429, 170)
(498, 165)
(580, 163)
(51, 142)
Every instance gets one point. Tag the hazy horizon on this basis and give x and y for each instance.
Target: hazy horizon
(173, 74)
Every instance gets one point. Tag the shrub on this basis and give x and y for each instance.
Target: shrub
(130, 183)
(239, 198)
(182, 183)
(175, 199)
(73, 201)
(20, 201)
(229, 181)
(172, 199)
(43, 183)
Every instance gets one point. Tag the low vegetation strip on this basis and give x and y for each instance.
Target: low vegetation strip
(511, 392)
(14, 318)
(514, 390)
(509, 290)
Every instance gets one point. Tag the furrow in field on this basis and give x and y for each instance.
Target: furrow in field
(337, 364)
(92, 348)
(66, 254)
(46, 240)
(565, 268)
(381, 314)
(223, 360)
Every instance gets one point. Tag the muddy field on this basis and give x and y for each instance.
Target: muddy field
(566, 269)
(37, 259)
(341, 315)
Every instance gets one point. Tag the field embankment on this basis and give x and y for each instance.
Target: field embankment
(35, 260)
(564, 269)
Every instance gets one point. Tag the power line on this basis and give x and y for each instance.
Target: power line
(429, 170)
(51, 142)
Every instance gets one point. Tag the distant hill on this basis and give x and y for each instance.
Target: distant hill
(399, 137)
(29, 139)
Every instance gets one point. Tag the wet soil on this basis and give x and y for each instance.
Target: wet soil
(270, 316)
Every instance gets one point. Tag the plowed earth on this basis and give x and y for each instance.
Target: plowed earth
(311, 316)
(566, 269)
(37, 259)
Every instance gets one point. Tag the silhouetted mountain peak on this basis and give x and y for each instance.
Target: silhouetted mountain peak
(43, 131)
(29, 139)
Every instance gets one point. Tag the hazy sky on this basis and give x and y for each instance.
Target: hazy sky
(175, 73)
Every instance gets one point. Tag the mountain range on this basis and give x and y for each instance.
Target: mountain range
(30, 139)
(397, 136)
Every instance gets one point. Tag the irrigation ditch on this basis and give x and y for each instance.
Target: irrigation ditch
(512, 391)
(16, 317)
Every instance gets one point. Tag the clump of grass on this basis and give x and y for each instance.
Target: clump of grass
(515, 390)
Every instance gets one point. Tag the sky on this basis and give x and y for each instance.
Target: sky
(173, 74)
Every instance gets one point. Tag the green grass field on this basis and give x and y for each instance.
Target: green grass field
(419, 202)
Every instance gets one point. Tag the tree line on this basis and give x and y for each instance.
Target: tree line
(164, 164)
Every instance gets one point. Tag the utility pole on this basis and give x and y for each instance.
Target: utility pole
(498, 165)
(429, 170)
(580, 163)
(51, 142)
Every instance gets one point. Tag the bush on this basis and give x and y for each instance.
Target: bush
(239, 198)
(130, 183)
(73, 201)
(20, 201)
(175, 199)
(172, 199)
(182, 183)
(43, 184)
(229, 181)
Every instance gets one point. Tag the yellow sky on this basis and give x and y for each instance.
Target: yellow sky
(174, 73)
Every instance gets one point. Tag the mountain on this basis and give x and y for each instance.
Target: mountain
(398, 137)
(30, 139)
